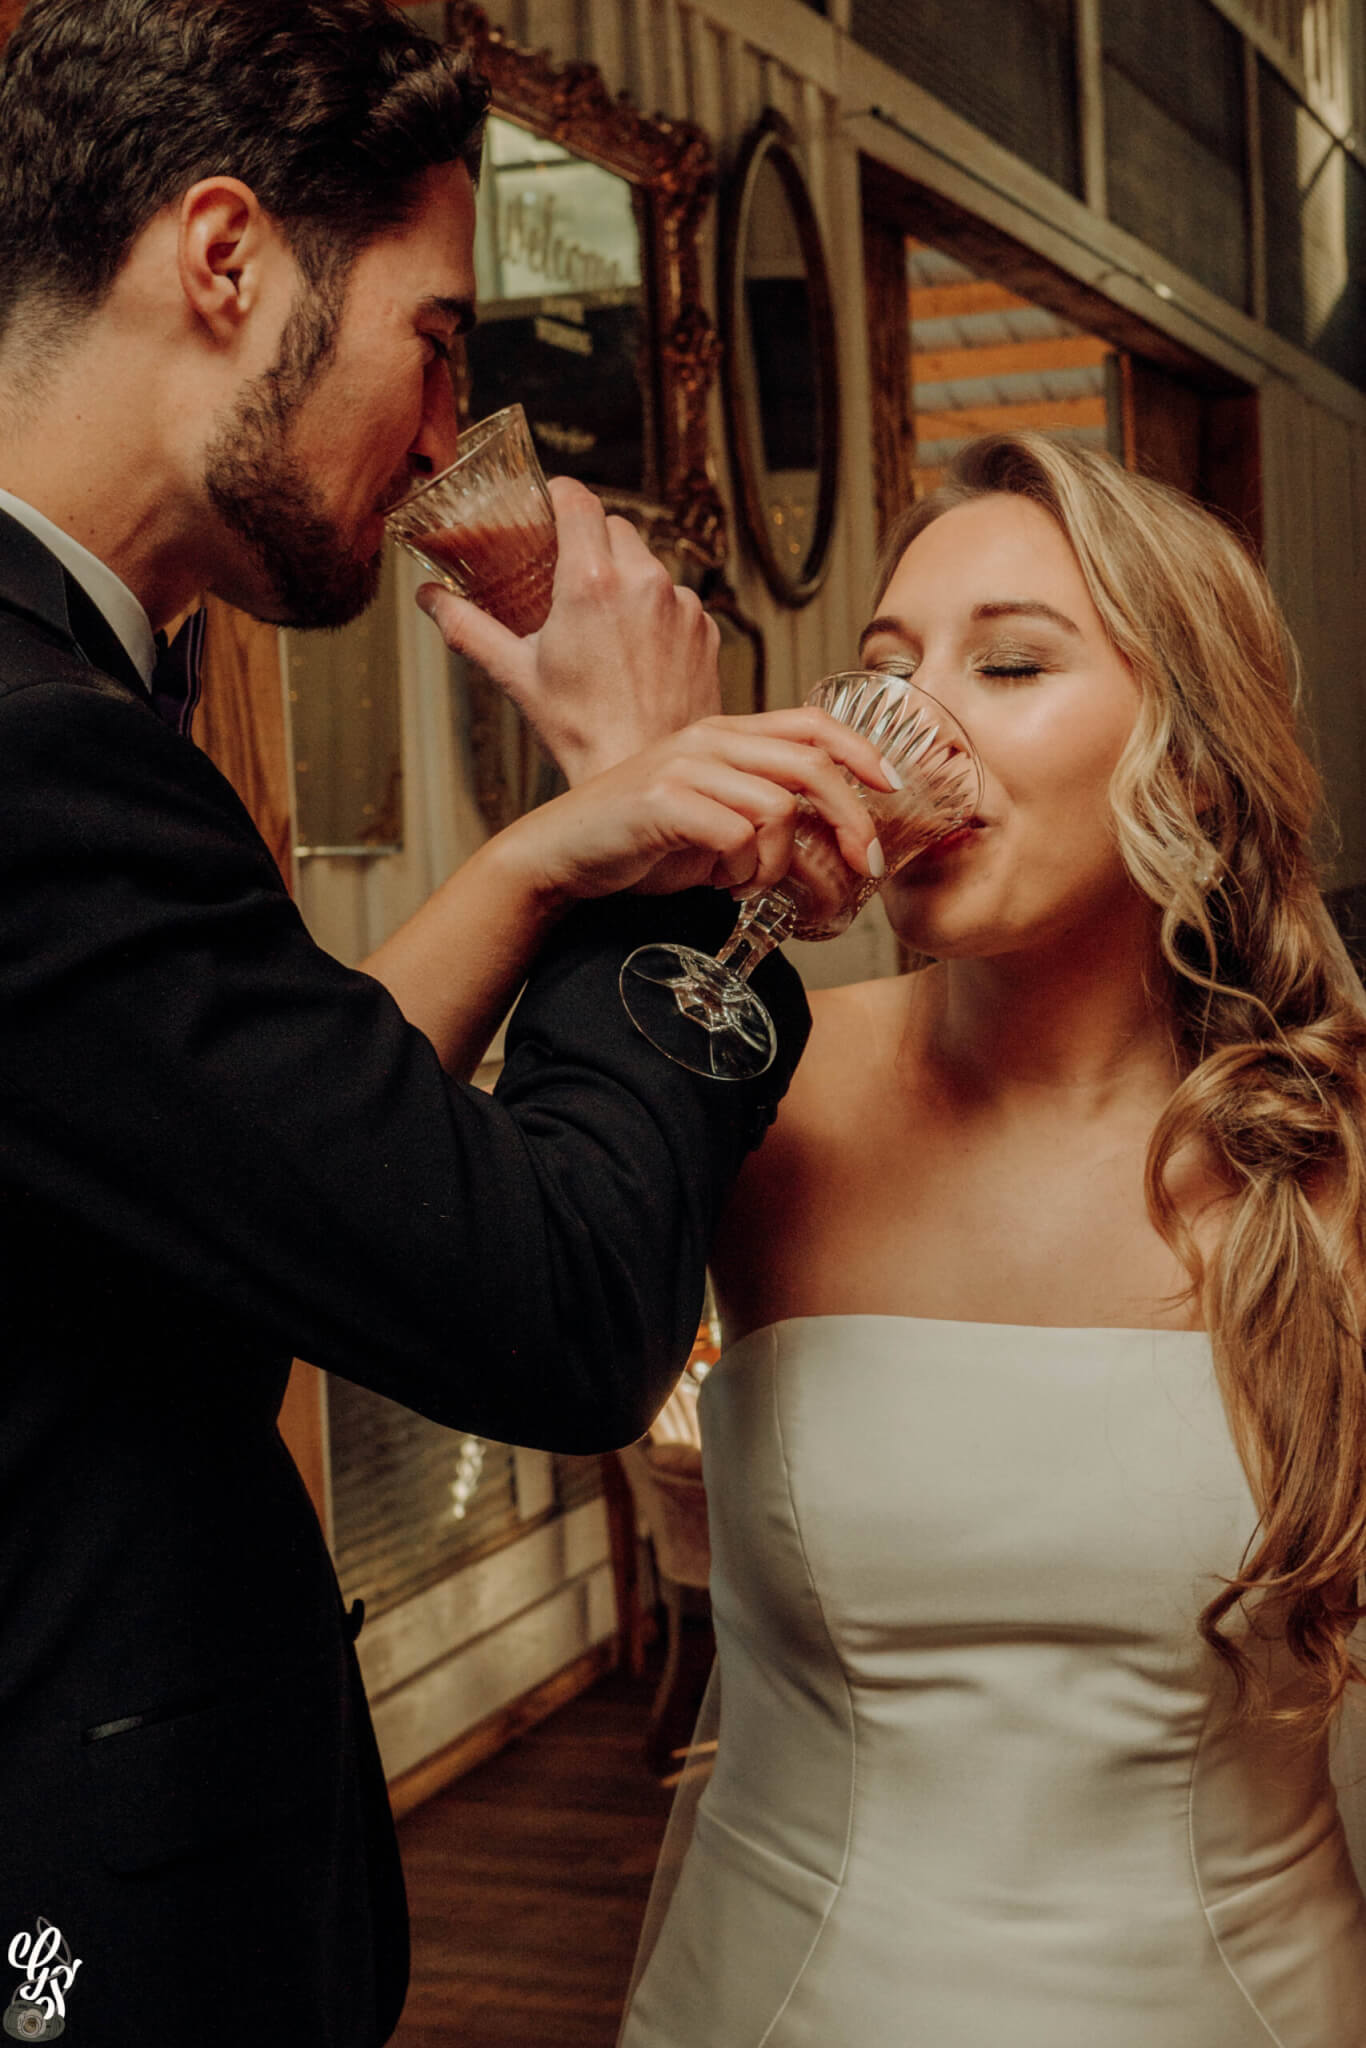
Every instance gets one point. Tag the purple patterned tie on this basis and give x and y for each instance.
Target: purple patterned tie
(175, 679)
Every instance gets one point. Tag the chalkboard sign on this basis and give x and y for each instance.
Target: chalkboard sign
(574, 364)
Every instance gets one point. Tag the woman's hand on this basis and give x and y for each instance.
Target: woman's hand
(716, 803)
(625, 656)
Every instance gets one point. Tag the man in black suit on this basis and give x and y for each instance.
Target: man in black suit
(235, 244)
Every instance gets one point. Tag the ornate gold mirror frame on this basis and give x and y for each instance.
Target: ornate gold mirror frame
(669, 166)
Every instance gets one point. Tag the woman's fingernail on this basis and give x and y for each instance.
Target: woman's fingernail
(890, 772)
(877, 860)
(427, 596)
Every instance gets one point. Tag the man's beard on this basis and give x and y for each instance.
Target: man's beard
(258, 488)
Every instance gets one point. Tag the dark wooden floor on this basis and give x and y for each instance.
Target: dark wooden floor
(527, 1882)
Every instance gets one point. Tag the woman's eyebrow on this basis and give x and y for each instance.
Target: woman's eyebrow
(1025, 607)
(994, 608)
(883, 625)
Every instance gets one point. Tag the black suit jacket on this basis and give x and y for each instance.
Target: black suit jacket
(220, 1148)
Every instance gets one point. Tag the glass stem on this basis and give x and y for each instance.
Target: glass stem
(765, 921)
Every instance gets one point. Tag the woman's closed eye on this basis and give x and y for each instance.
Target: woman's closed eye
(998, 663)
(1012, 664)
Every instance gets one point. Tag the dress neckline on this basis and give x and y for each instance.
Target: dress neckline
(961, 1323)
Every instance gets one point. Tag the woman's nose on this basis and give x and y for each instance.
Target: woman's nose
(939, 678)
(944, 682)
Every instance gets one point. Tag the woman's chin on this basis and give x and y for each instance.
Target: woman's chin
(938, 940)
(945, 924)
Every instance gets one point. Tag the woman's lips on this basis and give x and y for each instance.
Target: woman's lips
(951, 841)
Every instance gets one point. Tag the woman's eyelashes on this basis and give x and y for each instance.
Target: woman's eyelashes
(1009, 671)
(1011, 661)
(1001, 663)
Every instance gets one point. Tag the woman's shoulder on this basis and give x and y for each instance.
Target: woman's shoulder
(863, 1041)
(863, 1025)
(845, 1129)
(869, 1006)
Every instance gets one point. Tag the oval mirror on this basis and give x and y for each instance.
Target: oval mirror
(780, 368)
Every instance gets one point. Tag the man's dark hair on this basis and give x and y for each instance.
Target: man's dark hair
(329, 110)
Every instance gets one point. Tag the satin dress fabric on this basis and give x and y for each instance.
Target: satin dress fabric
(978, 1781)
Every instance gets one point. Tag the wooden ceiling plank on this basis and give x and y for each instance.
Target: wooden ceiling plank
(962, 424)
(961, 301)
(1008, 359)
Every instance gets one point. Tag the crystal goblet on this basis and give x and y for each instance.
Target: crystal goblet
(697, 1007)
(485, 527)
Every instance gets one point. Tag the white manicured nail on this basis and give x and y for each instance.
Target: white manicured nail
(877, 860)
(891, 774)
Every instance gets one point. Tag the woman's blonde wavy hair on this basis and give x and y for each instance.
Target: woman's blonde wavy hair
(1213, 802)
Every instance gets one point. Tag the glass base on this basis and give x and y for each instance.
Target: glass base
(697, 1013)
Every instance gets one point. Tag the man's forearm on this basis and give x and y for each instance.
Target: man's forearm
(456, 965)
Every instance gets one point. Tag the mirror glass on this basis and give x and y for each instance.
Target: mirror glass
(780, 369)
(562, 314)
(784, 414)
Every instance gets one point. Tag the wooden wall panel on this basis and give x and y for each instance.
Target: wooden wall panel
(240, 723)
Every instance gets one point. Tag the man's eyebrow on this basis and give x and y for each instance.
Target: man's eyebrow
(460, 312)
(996, 608)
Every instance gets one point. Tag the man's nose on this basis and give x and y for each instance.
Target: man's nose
(438, 438)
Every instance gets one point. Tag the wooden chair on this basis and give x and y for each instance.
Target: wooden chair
(663, 1490)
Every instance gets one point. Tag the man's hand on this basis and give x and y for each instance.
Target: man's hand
(625, 657)
(716, 803)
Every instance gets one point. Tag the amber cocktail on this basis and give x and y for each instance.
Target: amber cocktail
(485, 527)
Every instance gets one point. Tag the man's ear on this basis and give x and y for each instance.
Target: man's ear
(224, 245)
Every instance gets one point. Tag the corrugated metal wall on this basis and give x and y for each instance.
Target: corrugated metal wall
(1318, 43)
(1314, 483)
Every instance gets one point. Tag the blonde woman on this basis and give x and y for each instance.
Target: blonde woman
(1037, 1459)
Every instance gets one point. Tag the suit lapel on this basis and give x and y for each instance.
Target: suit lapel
(34, 584)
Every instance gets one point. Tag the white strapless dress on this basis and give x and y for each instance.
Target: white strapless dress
(976, 1784)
